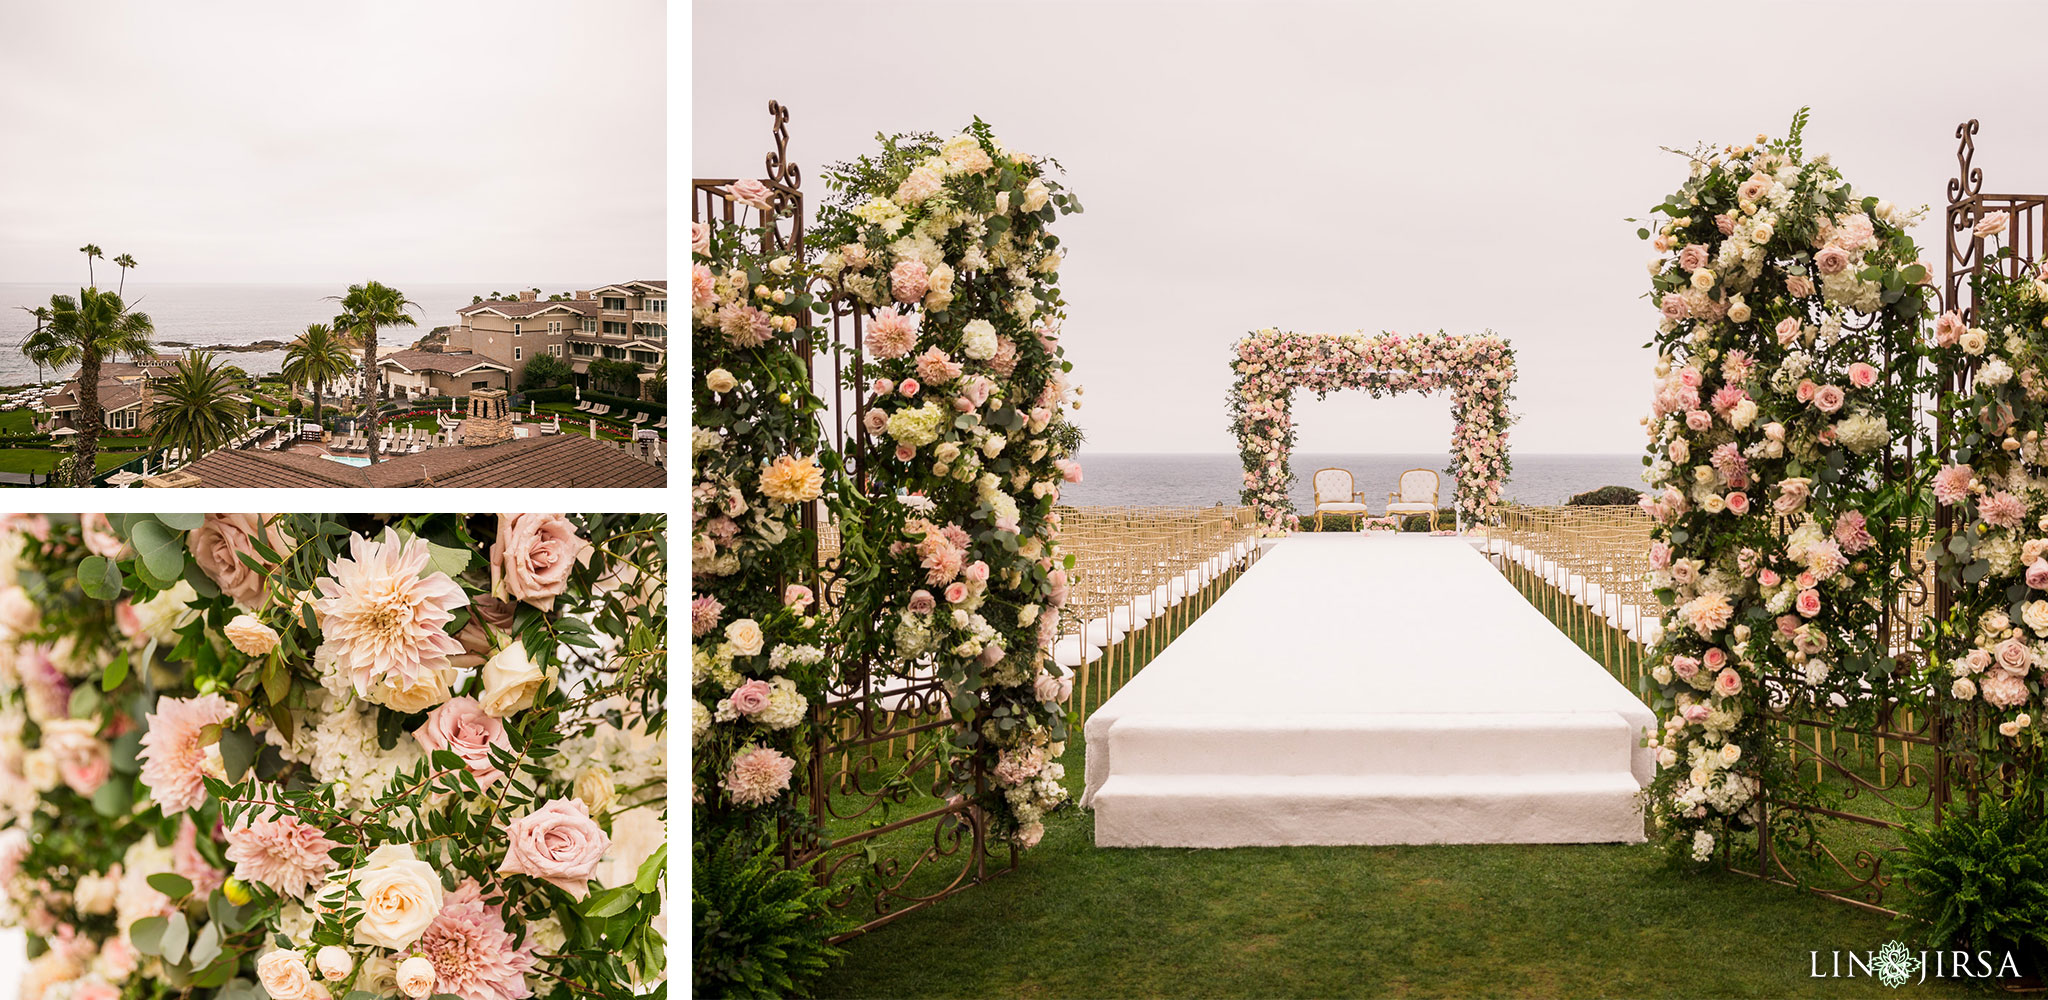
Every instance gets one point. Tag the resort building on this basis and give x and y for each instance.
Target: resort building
(124, 397)
(627, 321)
(413, 374)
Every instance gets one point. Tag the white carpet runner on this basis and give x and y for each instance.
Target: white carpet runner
(1369, 689)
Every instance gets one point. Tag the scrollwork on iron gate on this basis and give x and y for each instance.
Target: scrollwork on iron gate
(878, 769)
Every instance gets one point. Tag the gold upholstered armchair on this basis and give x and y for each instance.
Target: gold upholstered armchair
(1334, 495)
(1417, 495)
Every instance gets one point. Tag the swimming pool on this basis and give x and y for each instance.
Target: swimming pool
(360, 462)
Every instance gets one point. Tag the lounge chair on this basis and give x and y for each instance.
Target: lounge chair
(1334, 495)
(662, 424)
(1417, 495)
(584, 406)
(601, 409)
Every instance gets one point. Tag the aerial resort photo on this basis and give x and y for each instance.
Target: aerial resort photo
(1332, 498)
(237, 272)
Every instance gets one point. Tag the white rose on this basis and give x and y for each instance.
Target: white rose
(284, 975)
(95, 894)
(1743, 414)
(1035, 195)
(2035, 614)
(720, 380)
(401, 895)
(430, 689)
(1761, 234)
(248, 634)
(1730, 753)
(416, 977)
(510, 681)
(334, 962)
(1739, 312)
(40, 767)
(745, 637)
(594, 787)
(1963, 689)
(1972, 341)
(1703, 278)
(161, 616)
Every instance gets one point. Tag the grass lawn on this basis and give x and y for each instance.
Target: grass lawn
(42, 460)
(21, 421)
(1423, 921)
(1468, 920)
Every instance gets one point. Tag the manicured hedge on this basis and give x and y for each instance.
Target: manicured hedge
(567, 394)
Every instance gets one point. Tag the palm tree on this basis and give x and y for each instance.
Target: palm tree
(90, 250)
(197, 408)
(29, 343)
(124, 262)
(365, 308)
(318, 356)
(83, 331)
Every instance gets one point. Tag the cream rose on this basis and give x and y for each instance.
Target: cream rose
(334, 962)
(594, 788)
(720, 380)
(401, 895)
(429, 689)
(248, 634)
(511, 681)
(744, 636)
(284, 975)
(416, 977)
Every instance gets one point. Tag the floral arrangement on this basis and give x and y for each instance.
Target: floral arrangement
(1988, 653)
(758, 462)
(319, 755)
(1270, 365)
(945, 248)
(1790, 307)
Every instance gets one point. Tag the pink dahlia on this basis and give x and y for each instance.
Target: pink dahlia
(704, 612)
(383, 616)
(173, 762)
(891, 335)
(757, 775)
(473, 955)
(2002, 510)
(1852, 530)
(284, 853)
(1952, 484)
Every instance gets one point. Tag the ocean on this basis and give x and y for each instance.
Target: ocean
(205, 315)
(1205, 480)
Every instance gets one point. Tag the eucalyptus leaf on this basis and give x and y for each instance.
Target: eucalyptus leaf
(171, 884)
(99, 578)
(147, 934)
(176, 933)
(162, 550)
(183, 522)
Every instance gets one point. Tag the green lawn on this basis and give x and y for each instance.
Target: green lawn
(1424, 921)
(1075, 920)
(42, 460)
(21, 421)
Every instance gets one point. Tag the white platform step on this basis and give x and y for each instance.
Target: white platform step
(1376, 744)
(1221, 810)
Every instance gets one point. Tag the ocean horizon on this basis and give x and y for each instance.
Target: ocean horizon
(208, 314)
(1112, 479)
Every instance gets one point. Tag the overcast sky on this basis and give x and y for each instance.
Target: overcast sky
(1336, 166)
(505, 142)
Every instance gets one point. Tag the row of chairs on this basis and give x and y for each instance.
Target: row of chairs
(1588, 569)
(1141, 576)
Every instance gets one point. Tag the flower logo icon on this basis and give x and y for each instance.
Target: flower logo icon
(1895, 965)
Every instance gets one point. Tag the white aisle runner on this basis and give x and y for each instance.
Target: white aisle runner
(1369, 689)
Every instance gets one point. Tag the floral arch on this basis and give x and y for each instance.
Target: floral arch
(1271, 364)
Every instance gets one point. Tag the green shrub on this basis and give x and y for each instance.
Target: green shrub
(1606, 496)
(1981, 882)
(761, 929)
